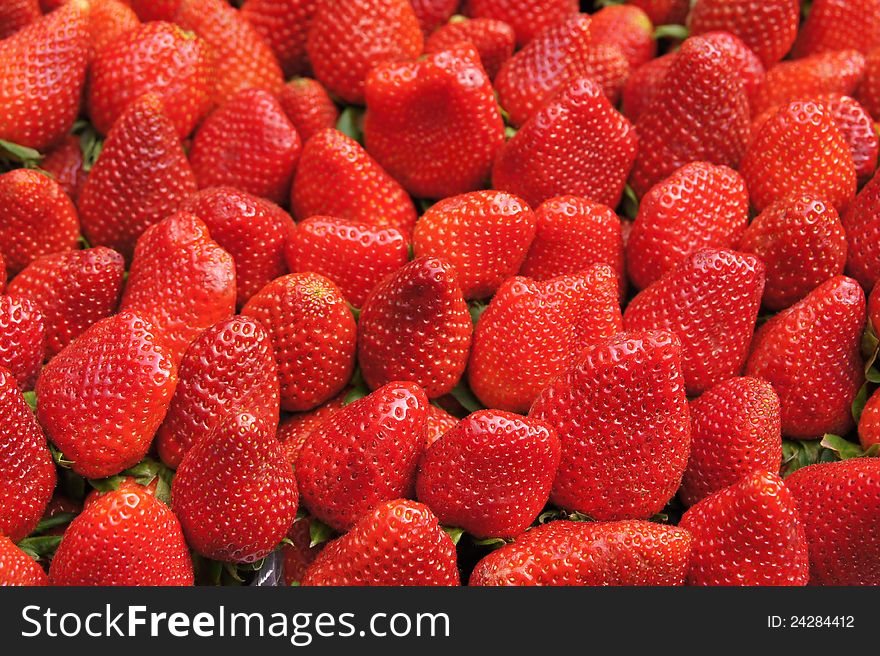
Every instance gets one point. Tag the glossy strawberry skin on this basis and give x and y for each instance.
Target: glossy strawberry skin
(840, 25)
(308, 107)
(284, 26)
(295, 428)
(16, 14)
(857, 128)
(869, 89)
(300, 554)
(869, 422)
(664, 12)
(22, 339)
(627, 27)
(642, 84)
(17, 568)
(439, 421)
(748, 64)
(526, 17)
(65, 164)
(493, 39)
(862, 224)
(109, 20)
(431, 14)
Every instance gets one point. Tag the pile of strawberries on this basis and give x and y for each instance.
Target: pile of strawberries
(374, 293)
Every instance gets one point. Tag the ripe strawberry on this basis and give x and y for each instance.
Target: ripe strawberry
(494, 40)
(431, 14)
(711, 301)
(627, 27)
(308, 107)
(16, 567)
(663, 12)
(699, 206)
(295, 428)
(439, 421)
(857, 128)
(127, 483)
(231, 365)
(363, 454)
(109, 20)
(337, 177)
(590, 553)
(802, 244)
(2, 275)
(619, 407)
(22, 339)
(810, 354)
(526, 17)
(874, 309)
(434, 124)
(607, 65)
(862, 224)
(155, 58)
(298, 552)
(126, 537)
(869, 89)
(16, 14)
(747, 534)
(576, 144)
(396, 543)
(746, 61)
(355, 256)
(532, 331)
(73, 290)
(38, 218)
(234, 492)
(490, 475)
(152, 10)
(642, 84)
(65, 164)
(415, 326)
(313, 334)
(840, 25)
(140, 177)
(43, 70)
(102, 398)
(284, 25)
(869, 422)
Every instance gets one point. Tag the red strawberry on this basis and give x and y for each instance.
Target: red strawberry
(493, 39)
(65, 164)
(355, 256)
(751, 69)
(869, 89)
(663, 12)
(735, 430)
(431, 14)
(397, 543)
(642, 84)
(16, 14)
(699, 206)
(234, 492)
(532, 331)
(22, 339)
(627, 27)
(415, 326)
(300, 554)
(869, 422)
(16, 567)
(874, 309)
(128, 484)
(747, 534)
(73, 290)
(284, 25)
(810, 354)
(840, 25)
(575, 144)
(434, 124)
(152, 10)
(313, 334)
(802, 244)
(622, 418)
(526, 17)
(126, 537)
(109, 20)
(439, 421)
(102, 398)
(590, 553)
(231, 365)
(141, 177)
(608, 66)
(862, 224)
(857, 128)
(363, 454)
(295, 428)
(3, 276)
(308, 107)
(490, 475)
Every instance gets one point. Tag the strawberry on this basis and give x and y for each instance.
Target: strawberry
(869, 422)
(711, 301)
(699, 206)
(43, 71)
(228, 366)
(22, 339)
(490, 475)
(38, 218)
(109, 20)
(355, 256)
(347, 40)
(308, 107)
(735, 430)
(577, 144)
(126, 483)
(3, 275)
(642, 84)
(492, 39)
(810, 354)
(234, 492)
(616, 410)
(313, 335)
(65, 164)
(751, 69)
(431, 14)
(840, 25)
(526, 17)
(102, 398)
(857, 128)
(869, 89)
(874, 309)
(16, 14)
(801, 242)
(747, 534)
(839, 505)
(284, 25)
(155, 58)
(363, 454)
(298, 552)
(396, 543)
(153, 10)
(336, 177)
(180, 279)
(532, 331)
(862, 224)
(295, 428)
(415, 326)
(434, 124)
(16, 567)
(663, 12)
(126, 537)
(590, 553)
(73, 290)
(608, 66)
(439, 421)
(628, 28)
(140, 177)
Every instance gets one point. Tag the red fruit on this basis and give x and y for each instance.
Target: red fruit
(532, 331)
(439, 421)
(869, 89)
(127, 537)
(810, 354)
(590, 553)
(663, 12)
(109, 20)
(230, 366)
(699, 206)
(299, 555)
(22, 339)
(575, 144)
(313, 334)
(431, 14)
(857, 128)
(65, 164)
(308, 107)
(234, 492)
(434, 124)
(415, 326)
(526, 17)
(607, 65)
(746, 61)
(492, 39)
(363, 454)
(73, 290)
(397, 543)
(283, 24)
(747, 534)
(16, 567)
(735, 430)
(355, 256)
(349, 39)
(802, 244)
(874, 309)
(295, 428)
(127, 483)
(627, 27)
(642, 84)
(840, 25)
(16, 14)
(102, 398)
(622, 418)
(152, 10)
(869, 423)
(862, 224)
